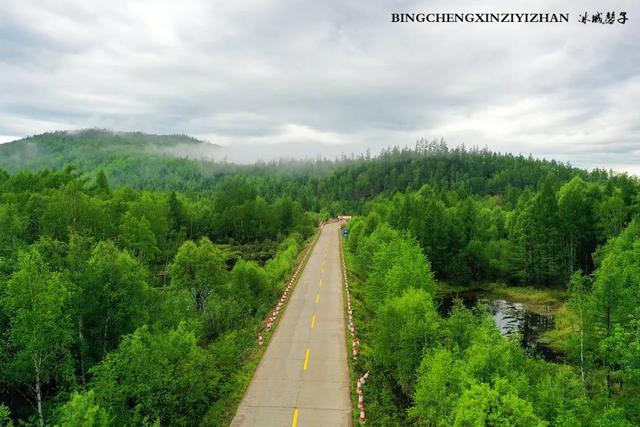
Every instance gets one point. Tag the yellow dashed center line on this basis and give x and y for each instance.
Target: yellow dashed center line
(317, 298)
(294, 421)
(306, 360)
(313, 321)
(320, 282)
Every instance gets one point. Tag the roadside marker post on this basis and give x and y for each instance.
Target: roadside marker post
(285, 295)
(355, 341)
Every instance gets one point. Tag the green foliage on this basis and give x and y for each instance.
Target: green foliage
(102, 185)
(82, 411)
(254, 289)
(404, 326)
(221, 315)
(397, 264)
(492, 383)
(622, 348)
(441, 379)
(138, 238)
(154, 209)
(12, 234)
(612, 417)
(482, 405)
(281, 264)
(39, 336)
(200, 269)
(612, 214)
(460, 371)
(164, 377)
(560, 397)
(539, 238)
(106, 261)
(5, 417)
(113, 298)
(611, 307)
(460, 327)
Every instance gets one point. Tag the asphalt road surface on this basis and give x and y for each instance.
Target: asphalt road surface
(303, 378)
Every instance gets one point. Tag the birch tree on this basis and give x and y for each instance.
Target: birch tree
(40, 331)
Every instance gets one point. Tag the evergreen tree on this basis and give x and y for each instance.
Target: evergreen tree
(102, 185)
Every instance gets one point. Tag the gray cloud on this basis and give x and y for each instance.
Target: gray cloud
(290, 78)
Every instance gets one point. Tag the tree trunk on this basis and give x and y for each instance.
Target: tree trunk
(608, 334)
(104, 336)
(581, 343)
(83, 377)
(36, 364)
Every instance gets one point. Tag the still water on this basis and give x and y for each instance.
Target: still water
(511, 317)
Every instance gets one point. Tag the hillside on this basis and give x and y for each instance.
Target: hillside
(180, 162)
(128, 157)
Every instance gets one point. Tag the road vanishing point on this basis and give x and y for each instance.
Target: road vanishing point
(302, 379)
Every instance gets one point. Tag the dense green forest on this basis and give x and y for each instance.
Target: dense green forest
(572, 231)
(126, 307)
(132, 281)
(158, 162)
(431, 370)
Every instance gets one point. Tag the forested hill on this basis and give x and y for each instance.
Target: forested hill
(180, 162)
(476, 171)
(127, 157)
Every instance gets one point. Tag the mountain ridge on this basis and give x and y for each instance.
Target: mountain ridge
(127, 157)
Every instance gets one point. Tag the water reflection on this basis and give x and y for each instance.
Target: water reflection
(511, 317)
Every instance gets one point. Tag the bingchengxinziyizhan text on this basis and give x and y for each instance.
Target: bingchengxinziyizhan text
(611, 17)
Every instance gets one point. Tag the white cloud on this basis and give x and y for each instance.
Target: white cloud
(325, 76)
(7, 138)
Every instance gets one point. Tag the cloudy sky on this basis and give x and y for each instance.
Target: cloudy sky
(291, 77)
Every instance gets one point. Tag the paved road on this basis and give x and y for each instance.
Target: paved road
(303, 379)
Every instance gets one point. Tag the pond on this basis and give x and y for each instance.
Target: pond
(530, 321)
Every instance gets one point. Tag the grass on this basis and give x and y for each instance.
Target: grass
(564, 327)
(526, 295)
(445, 288)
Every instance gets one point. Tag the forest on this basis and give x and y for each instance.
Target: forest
(131, 288)
(572, 232)
(126, 307)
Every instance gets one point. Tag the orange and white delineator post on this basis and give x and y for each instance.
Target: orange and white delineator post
(360, 391)
(354, 345)
(283, 299)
